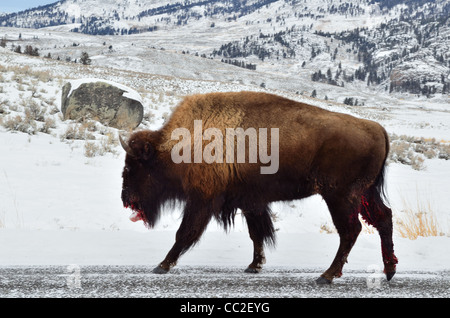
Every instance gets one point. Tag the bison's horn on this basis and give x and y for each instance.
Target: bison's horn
(126, 147)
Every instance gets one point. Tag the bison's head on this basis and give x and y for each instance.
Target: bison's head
(143, 177)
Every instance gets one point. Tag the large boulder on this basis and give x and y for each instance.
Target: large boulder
(112, 104)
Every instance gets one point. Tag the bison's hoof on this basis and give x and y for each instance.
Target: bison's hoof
(159, 270)
(252, 270)
(323, 281)
(389, 275)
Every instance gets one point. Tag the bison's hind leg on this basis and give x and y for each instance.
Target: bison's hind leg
(261, 230)
(376, 213)
(345, 218)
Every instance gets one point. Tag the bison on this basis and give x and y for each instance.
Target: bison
(338, 156)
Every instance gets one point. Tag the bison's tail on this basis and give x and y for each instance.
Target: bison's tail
(374, 211)
(374, 200)
(380, 184)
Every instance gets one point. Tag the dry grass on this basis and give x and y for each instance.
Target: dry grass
(107, 145)
(79, 131)
(23, 124)
(366, 228)
(329, 228)
(413, 151)
(417, 221)
(91, 149)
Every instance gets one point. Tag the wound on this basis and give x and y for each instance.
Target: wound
(364, 210)
(137, 214)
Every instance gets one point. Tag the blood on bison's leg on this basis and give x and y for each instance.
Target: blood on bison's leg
(376, 213)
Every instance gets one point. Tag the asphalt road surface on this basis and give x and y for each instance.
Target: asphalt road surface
(75, 281)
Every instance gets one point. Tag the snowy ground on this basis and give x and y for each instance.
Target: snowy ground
(59, 207)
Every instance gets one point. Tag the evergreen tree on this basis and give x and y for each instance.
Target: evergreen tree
(85, 60)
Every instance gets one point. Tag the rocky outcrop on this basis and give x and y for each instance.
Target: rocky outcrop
(109, 103)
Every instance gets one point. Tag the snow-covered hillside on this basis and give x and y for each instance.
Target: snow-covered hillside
(60, 181)
(335, 50)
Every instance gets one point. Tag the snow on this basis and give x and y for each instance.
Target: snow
(73, 10)
(294, 250)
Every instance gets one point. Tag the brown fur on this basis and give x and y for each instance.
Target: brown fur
(336, 155)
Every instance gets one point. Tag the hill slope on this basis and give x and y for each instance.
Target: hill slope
(370, 46)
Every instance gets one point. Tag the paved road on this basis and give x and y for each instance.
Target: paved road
(186, 281)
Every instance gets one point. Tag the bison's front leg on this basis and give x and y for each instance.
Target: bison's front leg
(260, 228)
(259, 258)
(195, 220)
